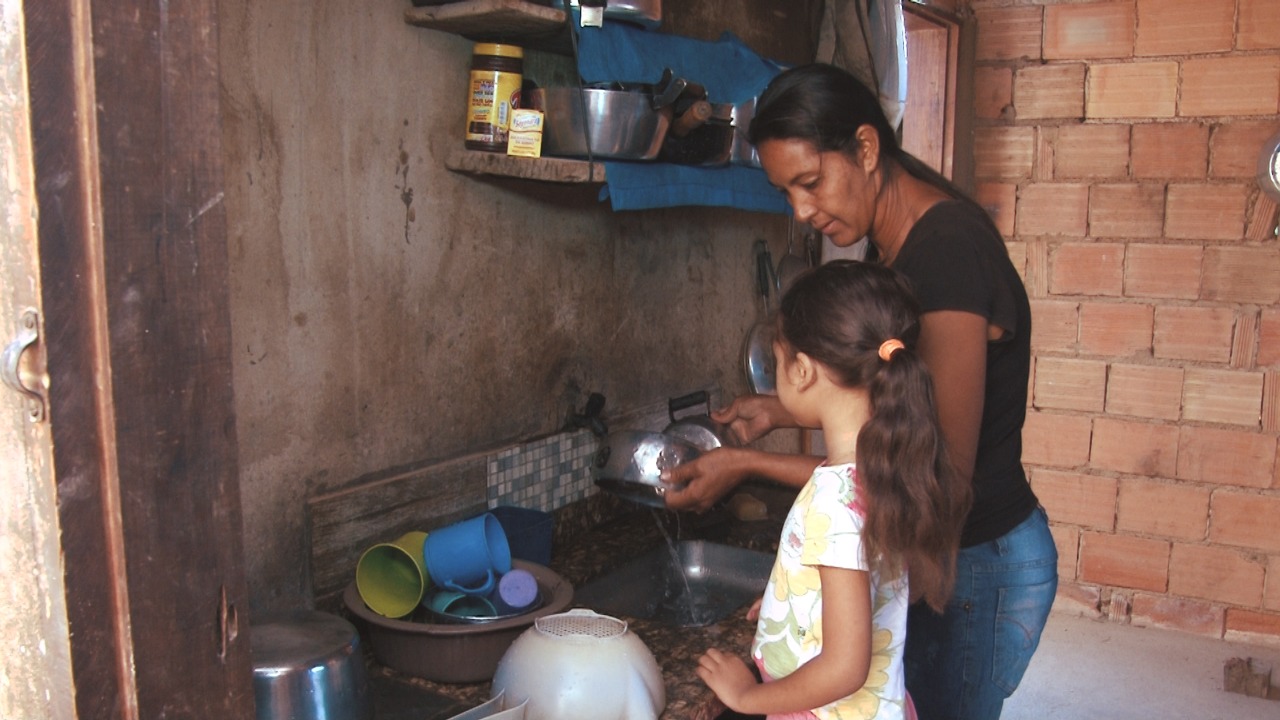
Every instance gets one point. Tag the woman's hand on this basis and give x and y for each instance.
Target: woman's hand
(699, 483)
(751, 417)
(727, 676)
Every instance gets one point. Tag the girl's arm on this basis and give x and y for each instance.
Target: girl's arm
(953, 345)
(838, 671)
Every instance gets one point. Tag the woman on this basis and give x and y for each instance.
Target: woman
(825, 143)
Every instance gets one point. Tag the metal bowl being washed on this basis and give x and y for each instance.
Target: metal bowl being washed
(630, 462)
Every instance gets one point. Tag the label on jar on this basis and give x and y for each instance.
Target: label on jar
(494, 94)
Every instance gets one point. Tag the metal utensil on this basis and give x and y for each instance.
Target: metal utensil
(696, 428)
(757, 353)
(629, 464)
(791, 265)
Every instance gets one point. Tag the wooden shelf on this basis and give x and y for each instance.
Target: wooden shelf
(517, 22)
(561, 170)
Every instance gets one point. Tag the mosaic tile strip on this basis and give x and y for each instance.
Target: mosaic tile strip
(543, 474)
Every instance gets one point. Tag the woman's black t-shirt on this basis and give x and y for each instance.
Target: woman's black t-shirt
(956, 260)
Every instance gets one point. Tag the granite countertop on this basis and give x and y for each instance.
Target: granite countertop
(592, 552)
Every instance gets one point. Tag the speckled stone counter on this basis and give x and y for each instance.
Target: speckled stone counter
(581, 554)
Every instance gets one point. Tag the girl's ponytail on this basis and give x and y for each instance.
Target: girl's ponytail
(916, 507)
(860, 320)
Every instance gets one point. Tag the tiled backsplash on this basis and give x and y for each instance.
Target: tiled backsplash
(543, 474)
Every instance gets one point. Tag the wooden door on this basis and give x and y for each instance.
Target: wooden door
(133, 284)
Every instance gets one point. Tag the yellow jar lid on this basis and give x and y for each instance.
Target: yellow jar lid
(509, 51)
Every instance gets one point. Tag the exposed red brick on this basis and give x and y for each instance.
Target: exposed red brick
(1184, 27)
(1018, 256)
(1270, 592)
(1214, 573)
(1132, 90)
(1147, 391)
(999, 200)
(1091, 151)
(1009, 33)
(1252, 627)
(1226, 457)
(1163, 271)
(1271, 408)
(1077, 599)
(1194, 333)
(1067, 541)
(1244, 344)
(1167, 509)
(1124, 561)
(1088, 31)
(1086, 269)
(1126, 211)
(1242, 275)
(1259, 25)
(1003, 152)
(1049, 91)
(1234, 147)
(1134, 447)
(1115, 329)
(1247, 520)
(1268, 336)
(1076, 498)
(1222, 396)
(1178, 151)
(1205, 212)
(992, 92)
(1189, 616)
(1232, 85)
(1053, 209)
(1055, 439)
(1054, 325)
(1070, 384)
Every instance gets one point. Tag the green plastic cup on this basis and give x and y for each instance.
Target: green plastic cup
(391, 577)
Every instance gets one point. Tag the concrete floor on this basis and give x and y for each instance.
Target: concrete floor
(1095, 670)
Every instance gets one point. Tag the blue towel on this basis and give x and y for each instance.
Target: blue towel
(731, 73)
(729, 70)
(639, 186)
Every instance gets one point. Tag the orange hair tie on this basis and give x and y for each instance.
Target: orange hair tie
(889, 347)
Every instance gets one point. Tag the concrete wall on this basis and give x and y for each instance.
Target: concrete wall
(388, 312)
(1116, 146)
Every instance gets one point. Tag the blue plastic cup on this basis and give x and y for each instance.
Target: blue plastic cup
(460, 604)
(468, 556)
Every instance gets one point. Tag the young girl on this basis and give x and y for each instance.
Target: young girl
(833, 619)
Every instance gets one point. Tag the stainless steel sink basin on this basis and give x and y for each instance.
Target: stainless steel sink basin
(692, 584)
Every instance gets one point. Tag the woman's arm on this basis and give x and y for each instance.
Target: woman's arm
(953, 345)
(838, 671)
(698, 484)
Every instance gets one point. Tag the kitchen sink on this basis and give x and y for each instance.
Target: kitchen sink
(690, 583)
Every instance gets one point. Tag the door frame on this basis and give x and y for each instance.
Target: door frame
(133, 269)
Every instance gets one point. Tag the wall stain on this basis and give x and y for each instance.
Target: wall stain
(406, 192)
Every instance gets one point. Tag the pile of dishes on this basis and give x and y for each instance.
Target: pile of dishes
(445, 605)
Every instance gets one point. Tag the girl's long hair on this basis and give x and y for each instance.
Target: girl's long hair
(839, 314)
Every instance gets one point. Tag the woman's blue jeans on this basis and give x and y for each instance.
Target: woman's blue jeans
(962, 664)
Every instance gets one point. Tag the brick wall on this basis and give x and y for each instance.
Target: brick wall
(1116, 146)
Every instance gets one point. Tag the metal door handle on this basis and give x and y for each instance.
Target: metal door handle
(28, 333)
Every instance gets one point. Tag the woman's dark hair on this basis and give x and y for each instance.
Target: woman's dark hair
(839, 314)
(825, 105)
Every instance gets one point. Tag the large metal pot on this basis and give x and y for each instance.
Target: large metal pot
(743, 153)
(709, 144)
(629, 464)
(624, 123)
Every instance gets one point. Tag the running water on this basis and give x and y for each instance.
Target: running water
(685, 609)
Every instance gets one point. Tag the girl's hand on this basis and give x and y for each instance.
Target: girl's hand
(751, 417)
(727, 676)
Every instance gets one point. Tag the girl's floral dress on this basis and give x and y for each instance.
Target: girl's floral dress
(824, 527)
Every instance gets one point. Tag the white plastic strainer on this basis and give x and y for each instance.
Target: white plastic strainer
(581, 623)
